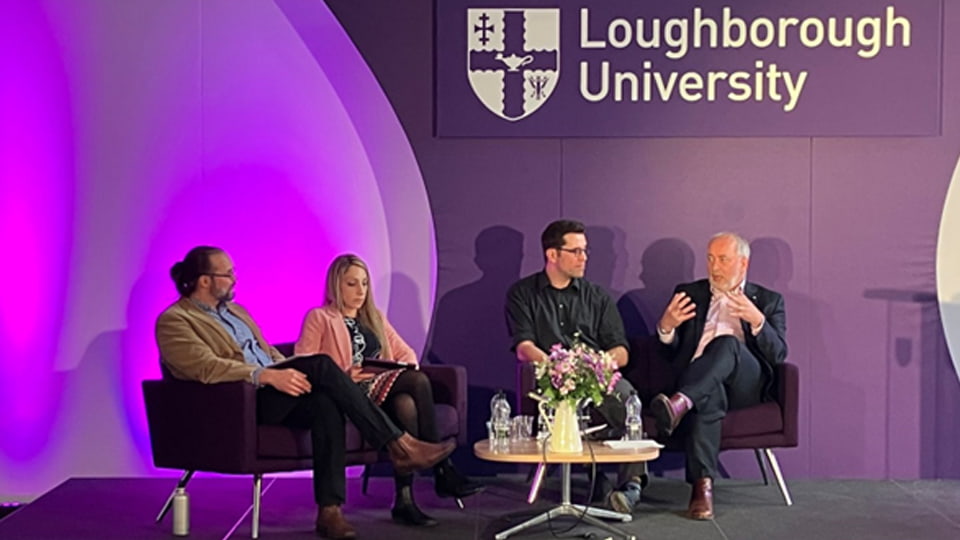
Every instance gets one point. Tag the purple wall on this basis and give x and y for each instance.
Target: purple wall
(135, 130)
(846, 228)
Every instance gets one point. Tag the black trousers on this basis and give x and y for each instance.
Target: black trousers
(726, 377)
(322, 411)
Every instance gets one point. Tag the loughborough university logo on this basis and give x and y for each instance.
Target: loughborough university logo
(513, 58)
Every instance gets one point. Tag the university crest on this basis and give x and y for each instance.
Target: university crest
(513, 58)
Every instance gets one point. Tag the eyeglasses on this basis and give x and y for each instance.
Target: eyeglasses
(229, 275)
(577, 252)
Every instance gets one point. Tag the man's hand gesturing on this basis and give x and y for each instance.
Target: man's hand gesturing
(680, 309)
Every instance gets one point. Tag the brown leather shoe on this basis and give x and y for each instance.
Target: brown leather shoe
(332, 524)
(668, 412)
(701, 499)
(409, 454)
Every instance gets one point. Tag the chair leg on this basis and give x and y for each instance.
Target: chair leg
(184, 480)
(255, 516)
(537, 480)
(775, 466)
(530, 473)
(365, 479)
(763, 468)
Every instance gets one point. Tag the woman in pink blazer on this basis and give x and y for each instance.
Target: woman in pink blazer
(349, 328)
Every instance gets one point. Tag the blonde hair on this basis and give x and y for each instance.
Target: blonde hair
(368, 314)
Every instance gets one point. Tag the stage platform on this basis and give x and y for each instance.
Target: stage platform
(118, 508)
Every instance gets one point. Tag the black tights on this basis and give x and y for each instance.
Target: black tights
(410, 405)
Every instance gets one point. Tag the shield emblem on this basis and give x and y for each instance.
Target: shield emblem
(513, 58)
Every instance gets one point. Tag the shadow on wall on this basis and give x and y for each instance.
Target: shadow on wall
(772, 265)
(469, 329)
(405, 301)
(940, 392)
(665, 264)
(608, 261)
(913, 315)
(103, 397)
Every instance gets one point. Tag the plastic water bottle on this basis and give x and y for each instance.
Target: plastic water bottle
(181, 513)
(634, 420)
(500, 419)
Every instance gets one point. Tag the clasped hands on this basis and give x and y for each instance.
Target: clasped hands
(682, 308)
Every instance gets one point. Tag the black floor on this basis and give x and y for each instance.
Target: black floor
(823, 510)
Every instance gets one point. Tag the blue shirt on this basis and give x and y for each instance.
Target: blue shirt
(253, 354)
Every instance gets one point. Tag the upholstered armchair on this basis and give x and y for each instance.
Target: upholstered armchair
(213, 428)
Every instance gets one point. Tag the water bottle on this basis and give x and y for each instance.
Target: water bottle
(500, 419)
(181, 513)
(634, 420)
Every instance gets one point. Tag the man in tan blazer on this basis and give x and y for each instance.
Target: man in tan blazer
(206, 337)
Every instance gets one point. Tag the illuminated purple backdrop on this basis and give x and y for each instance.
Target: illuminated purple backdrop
(135, 130)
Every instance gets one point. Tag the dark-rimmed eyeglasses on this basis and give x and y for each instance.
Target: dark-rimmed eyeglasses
(228, 275)
(576, 252)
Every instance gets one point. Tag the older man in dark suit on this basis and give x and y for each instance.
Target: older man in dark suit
(729, 334)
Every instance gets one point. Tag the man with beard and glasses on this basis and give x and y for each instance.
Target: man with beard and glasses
(557, 305)
(206, 337)
(729, 336)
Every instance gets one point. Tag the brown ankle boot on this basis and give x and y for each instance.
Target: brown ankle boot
(668, 411)
(701, 499)
(331, 524)
(409, 454)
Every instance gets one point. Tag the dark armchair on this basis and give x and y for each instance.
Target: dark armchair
(213, 428)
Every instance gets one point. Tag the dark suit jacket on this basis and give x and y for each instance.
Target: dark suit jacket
(769, 346)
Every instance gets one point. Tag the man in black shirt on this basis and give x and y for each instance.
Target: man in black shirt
(552, 306)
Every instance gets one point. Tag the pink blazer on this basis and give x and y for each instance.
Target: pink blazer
(324, 332)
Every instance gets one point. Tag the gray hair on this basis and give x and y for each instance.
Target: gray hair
(743, 247)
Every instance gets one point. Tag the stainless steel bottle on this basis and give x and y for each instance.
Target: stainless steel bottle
(181, 513)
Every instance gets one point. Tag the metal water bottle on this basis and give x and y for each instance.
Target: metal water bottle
(181, 513)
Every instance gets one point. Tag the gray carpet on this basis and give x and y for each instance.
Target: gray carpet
(822, 510)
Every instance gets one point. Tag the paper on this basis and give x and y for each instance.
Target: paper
(633, 445)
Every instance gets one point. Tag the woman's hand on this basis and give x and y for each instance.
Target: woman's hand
(358, 375)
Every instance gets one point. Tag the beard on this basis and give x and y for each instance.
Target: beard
(726, 285)
(224, 295)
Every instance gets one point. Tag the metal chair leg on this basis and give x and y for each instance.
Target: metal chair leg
(763, 468)
(537, 480)
(365, 479)
(184, 480)
(255, 518)
(775, 466)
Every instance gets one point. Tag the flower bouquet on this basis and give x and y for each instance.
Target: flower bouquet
(568, 378)
(576, 374)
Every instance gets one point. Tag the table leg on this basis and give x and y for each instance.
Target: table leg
(532, 522)
(602, 513)
(607, 527)
(588, 514)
